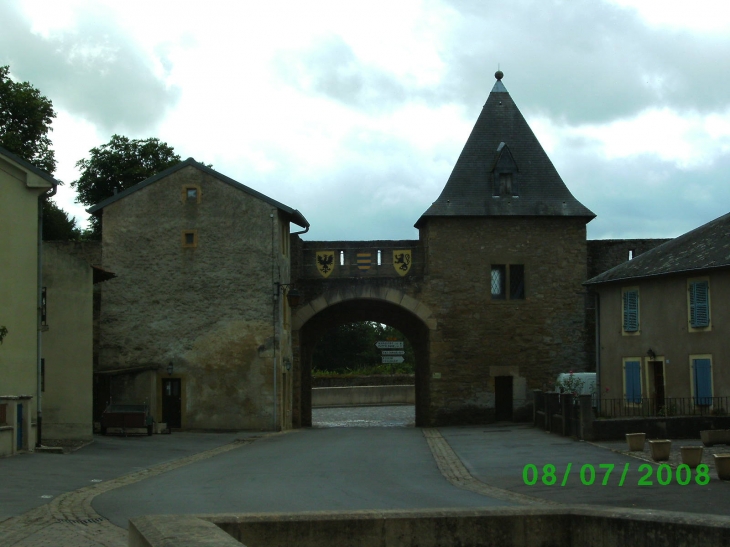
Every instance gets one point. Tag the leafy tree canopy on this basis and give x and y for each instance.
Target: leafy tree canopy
(119, 164)
(116, 166)
(25, 121)
(57, 225)
(351, 346)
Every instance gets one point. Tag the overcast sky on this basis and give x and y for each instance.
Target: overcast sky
(355, 112)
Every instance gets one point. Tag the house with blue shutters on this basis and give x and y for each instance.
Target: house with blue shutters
(664, 325)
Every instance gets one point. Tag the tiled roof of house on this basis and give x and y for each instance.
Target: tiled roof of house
(294, 216)
(501, 134)
(703, 248)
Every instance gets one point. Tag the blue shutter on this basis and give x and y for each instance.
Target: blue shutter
(703, 381)
(631, 311)
(699, 304)
(632, 376)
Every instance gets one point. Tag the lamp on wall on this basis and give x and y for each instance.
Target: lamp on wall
(651, 354)
(170, 368)
(292, 295)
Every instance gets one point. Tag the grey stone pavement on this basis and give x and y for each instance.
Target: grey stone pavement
(337, 465)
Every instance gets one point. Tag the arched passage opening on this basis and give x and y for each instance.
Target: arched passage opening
(308, 331)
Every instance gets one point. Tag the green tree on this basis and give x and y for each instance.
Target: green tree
(25, 122)
(57, 225)
(117, 165)
(352, 346)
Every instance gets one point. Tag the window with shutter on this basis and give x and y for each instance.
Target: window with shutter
(632, 380)
(631, 310)
(702, 379)
(699, 304)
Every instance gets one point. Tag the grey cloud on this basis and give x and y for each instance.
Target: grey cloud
(645, 197)
(583, 61)
(330, 68)
(578, 61)
(94, 72)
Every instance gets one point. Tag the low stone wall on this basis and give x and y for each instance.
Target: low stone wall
(363, 396)
(680, 427)
(564, 526)
(375, 380)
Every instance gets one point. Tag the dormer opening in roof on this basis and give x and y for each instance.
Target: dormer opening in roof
(504, 173)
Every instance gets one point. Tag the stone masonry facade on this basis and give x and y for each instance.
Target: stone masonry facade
(204, 304)
(480, 338)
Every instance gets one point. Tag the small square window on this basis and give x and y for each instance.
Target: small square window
(191, 194)
(190, 238)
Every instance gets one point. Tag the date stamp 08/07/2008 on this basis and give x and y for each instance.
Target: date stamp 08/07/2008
(683, 475)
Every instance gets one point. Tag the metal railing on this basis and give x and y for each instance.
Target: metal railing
(669, 406)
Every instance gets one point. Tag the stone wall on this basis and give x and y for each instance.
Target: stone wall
(478, 338)
(604, 254)
(208, 308)
(68, 341)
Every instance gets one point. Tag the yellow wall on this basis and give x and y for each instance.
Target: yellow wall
(19, 191)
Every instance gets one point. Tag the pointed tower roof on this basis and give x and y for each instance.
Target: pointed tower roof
(503, 170)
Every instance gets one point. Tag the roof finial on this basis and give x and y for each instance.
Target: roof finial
(499, 74)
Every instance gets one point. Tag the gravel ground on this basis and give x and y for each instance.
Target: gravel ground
(365, 416)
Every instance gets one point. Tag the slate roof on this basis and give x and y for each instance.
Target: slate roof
(20, 161)
(703, 248)
(468, 192)
(294, 216)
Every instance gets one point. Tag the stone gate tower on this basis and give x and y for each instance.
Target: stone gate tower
(505, 256)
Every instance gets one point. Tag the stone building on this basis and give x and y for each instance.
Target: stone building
(195, 323)
(493, 304)
(506, 255)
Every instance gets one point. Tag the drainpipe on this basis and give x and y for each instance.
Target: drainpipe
(39, 296)
(274, 307)
(598, 349)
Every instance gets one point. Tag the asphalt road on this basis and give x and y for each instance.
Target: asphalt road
(30, 480)
(307, 470)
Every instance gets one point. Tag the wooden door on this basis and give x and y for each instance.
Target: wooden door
(172, 402)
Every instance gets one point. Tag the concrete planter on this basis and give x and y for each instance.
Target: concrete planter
(722, 466)
(660, 449)
(711, 437)
(691, 455)
(635, 441)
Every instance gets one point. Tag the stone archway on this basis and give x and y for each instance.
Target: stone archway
(384, 305)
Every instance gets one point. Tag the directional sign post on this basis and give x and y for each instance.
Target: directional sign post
(389, 344)
(393, 352)
(389, 359)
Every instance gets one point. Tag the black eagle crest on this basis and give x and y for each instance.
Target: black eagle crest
(325, 262)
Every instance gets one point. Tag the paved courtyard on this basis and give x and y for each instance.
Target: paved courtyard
(85, 499)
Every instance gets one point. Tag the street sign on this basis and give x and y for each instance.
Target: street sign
(389, 344)
(391, 360)
(393, 352)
